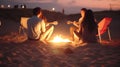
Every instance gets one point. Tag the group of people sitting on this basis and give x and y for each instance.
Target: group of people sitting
(85, 29)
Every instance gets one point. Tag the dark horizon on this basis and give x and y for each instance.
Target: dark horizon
(69, 6)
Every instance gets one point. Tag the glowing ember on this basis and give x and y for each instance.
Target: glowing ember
(59, 39)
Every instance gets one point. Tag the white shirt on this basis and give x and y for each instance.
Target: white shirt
(35, 27)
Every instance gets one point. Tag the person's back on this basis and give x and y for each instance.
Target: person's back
(38, 26)
(88, 28)
(34, 27)
(87, 36)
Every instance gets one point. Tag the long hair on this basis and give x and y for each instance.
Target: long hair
(89, 21)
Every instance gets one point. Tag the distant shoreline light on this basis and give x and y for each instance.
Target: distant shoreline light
(2, 6)
(53, 9)
(9, 6)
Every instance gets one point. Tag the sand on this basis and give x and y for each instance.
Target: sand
(19, 52)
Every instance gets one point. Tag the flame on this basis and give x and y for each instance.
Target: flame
(58, 38)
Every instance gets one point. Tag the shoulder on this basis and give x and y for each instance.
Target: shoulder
(80, 19)
(35, 18)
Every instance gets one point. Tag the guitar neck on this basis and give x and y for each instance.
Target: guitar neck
(54, 22)
(69, 22)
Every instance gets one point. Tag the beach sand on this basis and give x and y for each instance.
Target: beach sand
(17, 51)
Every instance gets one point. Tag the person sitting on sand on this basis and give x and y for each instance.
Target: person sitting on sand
(88, 28)
(76, 24)
(37, 26)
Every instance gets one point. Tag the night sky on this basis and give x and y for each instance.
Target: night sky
(70, 6)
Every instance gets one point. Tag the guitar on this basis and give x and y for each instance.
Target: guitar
(54, 23)
(74, 23)
(70, 22)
